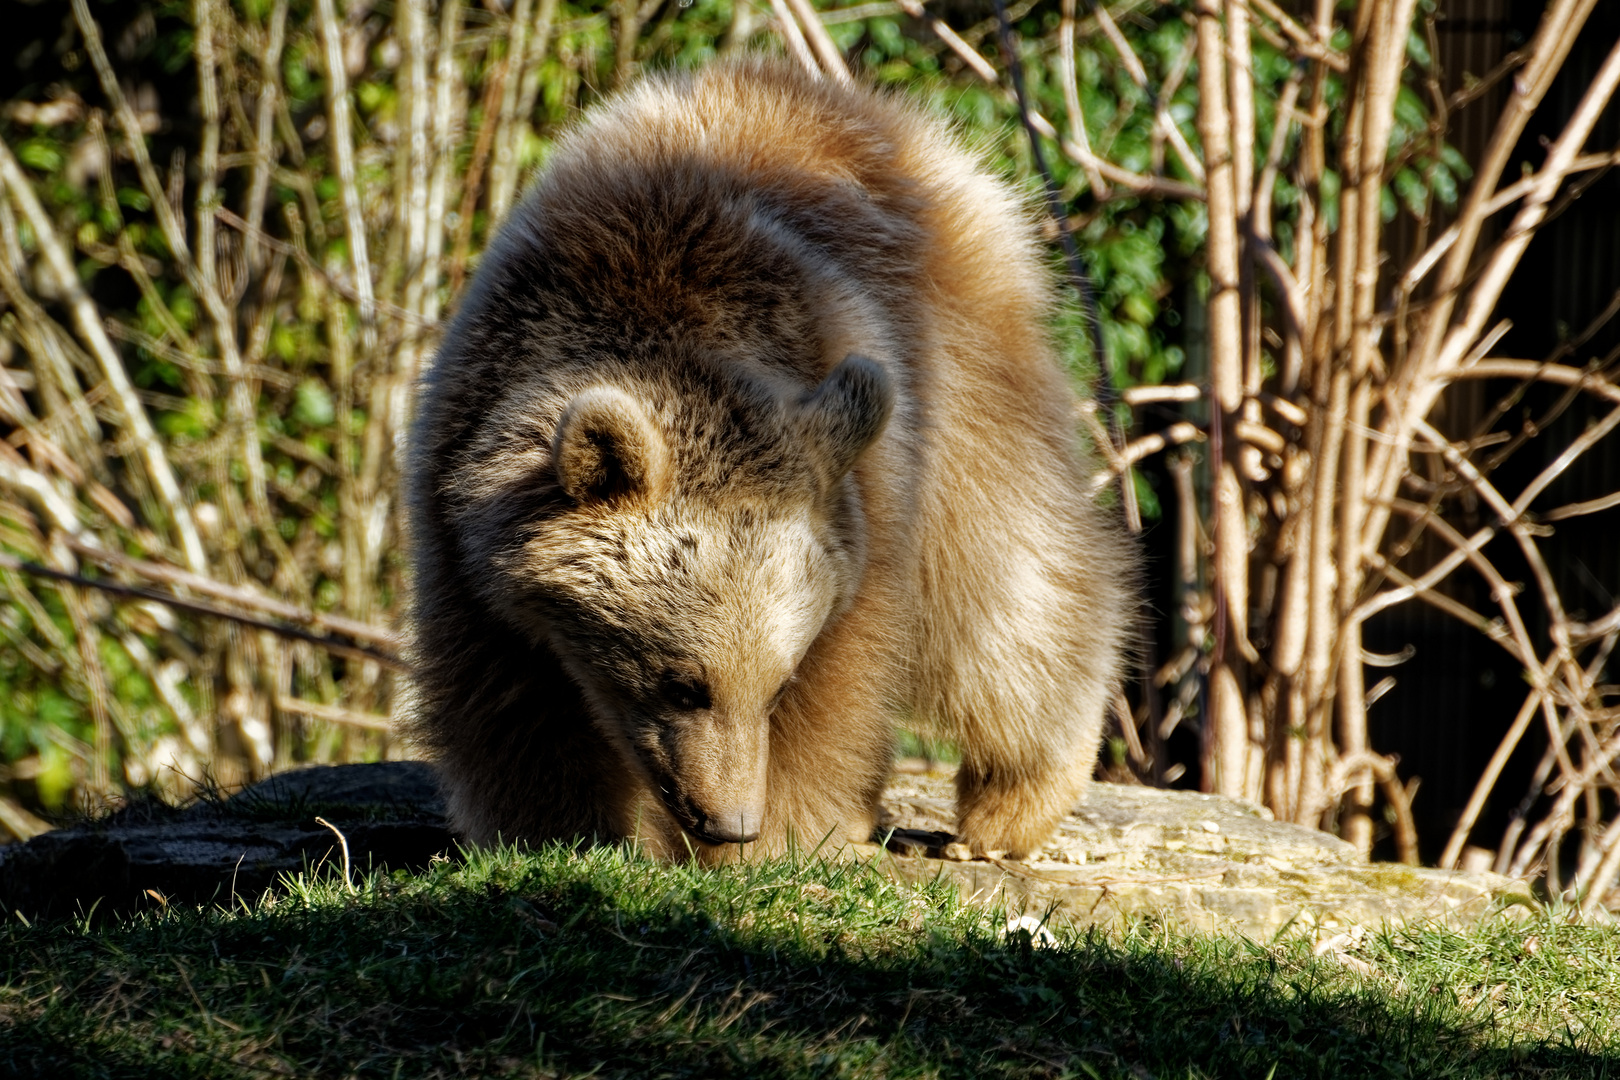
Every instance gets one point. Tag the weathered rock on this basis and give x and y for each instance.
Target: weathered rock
(149, 854)
(1195, 861)
(1201, 862)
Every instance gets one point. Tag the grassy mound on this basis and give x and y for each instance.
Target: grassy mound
(554, 963)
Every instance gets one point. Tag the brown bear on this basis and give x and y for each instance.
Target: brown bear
(747, 443)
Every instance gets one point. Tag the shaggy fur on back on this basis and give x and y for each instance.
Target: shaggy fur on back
(747, 439)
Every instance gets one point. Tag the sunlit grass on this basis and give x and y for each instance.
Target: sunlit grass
(601, 963)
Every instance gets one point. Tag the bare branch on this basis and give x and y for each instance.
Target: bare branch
(1162, 119)
(1175, 435)
(1145, 395)
(1071, 94)
(1307, 43)
(1345, 775)
(240, 595)
(831, 59)
(503, 169)
(330, 644)
(1082, 155)
(342, 141)
(793, 34)
(269, 95)
(335, 714)
(1415, 389)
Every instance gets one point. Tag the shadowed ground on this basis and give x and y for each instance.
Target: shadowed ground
(554, 963)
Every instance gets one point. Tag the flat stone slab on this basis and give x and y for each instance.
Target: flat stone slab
(1200, 862)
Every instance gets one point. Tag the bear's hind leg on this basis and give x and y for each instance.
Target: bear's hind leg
(1009, 808)
(1027, 648)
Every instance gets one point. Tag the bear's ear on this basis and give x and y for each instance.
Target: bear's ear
(848, 410)
(605, 446)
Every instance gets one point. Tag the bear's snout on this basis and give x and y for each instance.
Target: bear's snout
(716, 778)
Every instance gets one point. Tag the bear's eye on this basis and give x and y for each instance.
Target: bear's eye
(684, 692)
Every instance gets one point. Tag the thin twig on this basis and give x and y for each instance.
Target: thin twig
(821, 41)
(236, 594)
(343, 842)
(1071, 95)
(794, 35)
(342, 142)
(334, 714)
(1078, 276)
(197, 607)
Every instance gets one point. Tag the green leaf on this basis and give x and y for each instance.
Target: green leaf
(1417, 48)
(1453, 159)
(194, 422)
(183, 306)
(55, 778)
(1412, 191)
(284, 343)
(1410, 112)
(1444, 186)
(312, 404)
(42, 154)
(886, 36)
(1147, 500)
(1140, 308)
(1330, 199)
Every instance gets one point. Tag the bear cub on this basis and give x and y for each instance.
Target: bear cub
(747, 442)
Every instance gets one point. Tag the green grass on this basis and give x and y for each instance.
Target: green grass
(603, 964)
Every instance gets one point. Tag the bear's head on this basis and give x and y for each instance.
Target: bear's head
(691, 551)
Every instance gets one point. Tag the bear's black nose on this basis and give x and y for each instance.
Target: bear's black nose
(732, 829)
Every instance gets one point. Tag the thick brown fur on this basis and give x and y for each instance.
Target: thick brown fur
(747, 440)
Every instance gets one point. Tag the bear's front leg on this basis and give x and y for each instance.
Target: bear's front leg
(832, 740)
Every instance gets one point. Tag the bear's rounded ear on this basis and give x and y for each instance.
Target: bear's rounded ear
(606, 446)
(848, 410)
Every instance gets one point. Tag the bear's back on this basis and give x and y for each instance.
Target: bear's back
(750, 217)
(871, 179)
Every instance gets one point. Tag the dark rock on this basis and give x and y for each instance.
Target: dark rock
(388, 788)
(215, 851)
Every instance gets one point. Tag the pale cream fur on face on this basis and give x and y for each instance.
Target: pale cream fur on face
(752, 592)
(751, 595)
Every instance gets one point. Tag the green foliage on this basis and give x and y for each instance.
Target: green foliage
(557, 963)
